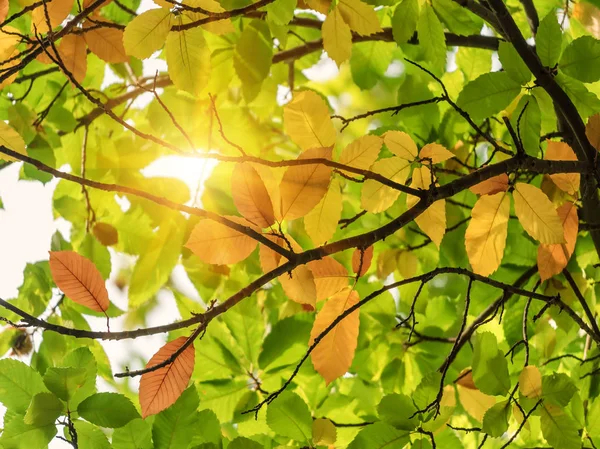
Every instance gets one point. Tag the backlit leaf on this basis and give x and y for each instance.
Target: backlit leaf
(72, 50)
(106, 43)
(188, 58)
(19, 383)
(250, 196)
(334, 353)
(321, 222)
(376, 197)
(537, 214)
(299, 285)
(361, 260)
(79, 279)
(57, 12)
(488, 94)
(362, 153)
(433, 221)
(581, 59)
(431, 34)
(359, 16)
(107, 410)
(288, 415)
(306, 120)
(530, 382)
(337, 38)
(323, 431)
(549, 40)
(147, 32)
(435, 152)
(160, 388)
(492, 185)
(404, 20)
(560, 151)
(12, 140)
(252, 57)
(552, 259)
(485, 238)
(330, 276)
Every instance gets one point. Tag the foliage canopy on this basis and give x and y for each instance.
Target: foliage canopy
(398, 245)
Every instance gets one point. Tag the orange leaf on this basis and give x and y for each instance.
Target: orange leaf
(299, 285)
(106, 43)
(106, 234)
(4, 4)
(303, 186)
(592, 131)
(250, 195)
(160, 388)
(333, 355)
(79, 279)
(560, 151)
(269, 259)
(72, 50)
(361, 260)
(57, 10)
(551, 259)
(490, 186)
(330, 276)
(435, 152)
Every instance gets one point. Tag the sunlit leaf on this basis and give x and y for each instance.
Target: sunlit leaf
(337, 38)
(552, 259)
(537, 214)
(321, 222)
(147, 33)
(306, 120)
(330, 276)
(250, 196)
(376, 197)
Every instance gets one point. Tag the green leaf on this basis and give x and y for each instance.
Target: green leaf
(19, 383)
(586, 102)
(252, 57)
(90, 436)
(513, 64)
(379, 436)
(107, 410)
(171, 428)
(404, 20)
(397, 409)
(245, 321)
(581, 59)
(593, 419)
(488, 94)
(207, 428)
(147, 33)
(432, 38)
(136, 434)
(457, 18)
(289, 416)
(188, 58)
(369, 61)
(490, 369)
(548, 41)
(495, 420)
(18, 435)
(64, 382)
(43, 410)
(559, 429)
(244, 443)
(281, 12)
(558, 389)
(286, 342)
(530, 124)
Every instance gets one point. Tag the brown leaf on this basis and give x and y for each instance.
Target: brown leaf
(560, 151)
(106, 43)
(592, 131)
(303, 186)
(330, 276)
(160, 388)
(250, 195)
(106, 234)
(72, 50)
(79, 279)
(361, 260)
(551, 259)
(492, 185)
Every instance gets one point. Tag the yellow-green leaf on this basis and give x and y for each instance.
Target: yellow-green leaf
(337, 38)
(359, 16)
(485, 238)
(188, 58)
(323, 432)
(306, 120)
(12, 140)
(537, 215)
(147, 33)
(376, 197)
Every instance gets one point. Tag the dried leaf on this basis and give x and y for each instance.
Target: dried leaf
(362, 153)
(79, 279)
(57, 11)
(530, 382)
(250, 196)
(299, 285)
(160, 388)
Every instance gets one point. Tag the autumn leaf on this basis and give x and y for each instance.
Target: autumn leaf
(333, 355)
(106, 233)
(218, 244)
(337, 38)
(4, 6)
(57, 11)
(530, 382)
(269, 259)
(537, 214)
(485, 237)
(303, 186)
(433, 221)
(435, 152)
(362, 153)
(376, 197)
(592, 131)
(79, 279)
(12, 140)
(106, 43)
(492, 185)
(306, 120)
(560, 151)
(321, 222)
(475, 402)
(160, 388)
(401, 144)
(330, 276)
(361, 260)
(147, 32)
(552, 259)
(72, 50)
(250, 195)
(359, 16)
(299, 285)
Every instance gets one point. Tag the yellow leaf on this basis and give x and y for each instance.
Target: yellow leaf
(361, 260)
(306, 120)
(401, 144)
(218, 27)
(323, 432)
(560, 151)
(12, 60)
(551, 259)
(160, 388)
(250, 196)
(436, 152)
(272, 179)
(407, 264)
(321, 222)
(147, 32)
(537, 214)
(330, 276)
(106, 43)
(433, 221)
(58, 10)
(362, 153)
(376, 197)
(299, 285)
(188, 58)
(12, 140)
(269, 259)
(8, 41)
(337, 38)
(485, 238)
(333, 355)
(72, 50)
(360, 16)
(79, 279)
(530, 382)
(218, 244)
(303, 186)
(321, 6)
(492, 185)
(475, 402)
